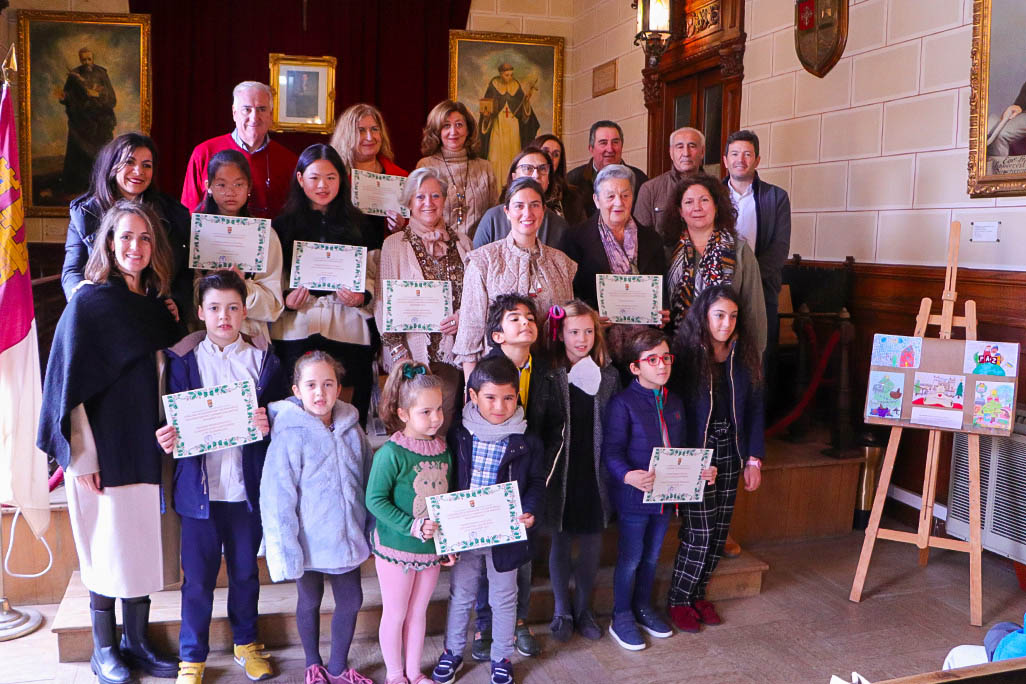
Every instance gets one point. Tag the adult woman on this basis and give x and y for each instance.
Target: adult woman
(450, 146)
(518, 263)
(361, 140)
(710, 253)
(126, 168)
(319, 209)
(98, 420)
(426, 249)
(531, 162)
(564, 199)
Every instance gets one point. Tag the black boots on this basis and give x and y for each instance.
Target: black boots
(106, 663)
(135, 645)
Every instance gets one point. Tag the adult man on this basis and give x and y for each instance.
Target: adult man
(654, 207)
(270, 163)
(88, 98)
(605, 143)
(508, 121)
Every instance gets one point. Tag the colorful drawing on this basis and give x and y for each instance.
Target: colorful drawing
(938, 389)
(990, 358)
(897, 351)
(992, 405)
(886, 391)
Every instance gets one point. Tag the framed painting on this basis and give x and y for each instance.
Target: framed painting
(513, 82)
(997, 100)
(303, 93)
(84, 79)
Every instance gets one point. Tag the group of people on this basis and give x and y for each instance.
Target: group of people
(524, 383)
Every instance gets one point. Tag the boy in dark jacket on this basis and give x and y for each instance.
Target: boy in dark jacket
(217, 494)
(491, 445)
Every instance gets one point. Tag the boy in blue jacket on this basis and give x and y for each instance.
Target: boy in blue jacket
(217, 494)
(491, 445)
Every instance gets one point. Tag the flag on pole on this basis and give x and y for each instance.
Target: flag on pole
(23, 472)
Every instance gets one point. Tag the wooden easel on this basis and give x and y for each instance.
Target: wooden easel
(923, 539)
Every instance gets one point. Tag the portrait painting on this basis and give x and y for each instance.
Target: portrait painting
(303, 93)
(83, 80)
(512, 84)
(997, 127)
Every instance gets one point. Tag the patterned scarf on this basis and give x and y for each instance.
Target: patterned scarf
(688, 275)
(622, 259)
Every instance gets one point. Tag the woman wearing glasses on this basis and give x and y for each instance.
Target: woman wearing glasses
(532, 162)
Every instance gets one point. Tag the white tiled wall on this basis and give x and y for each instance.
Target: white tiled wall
(875, 155)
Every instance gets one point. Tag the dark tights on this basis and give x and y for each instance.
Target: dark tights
(348, 593)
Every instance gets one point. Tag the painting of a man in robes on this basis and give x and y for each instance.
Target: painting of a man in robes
(508, 121)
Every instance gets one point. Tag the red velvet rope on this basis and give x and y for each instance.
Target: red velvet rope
(810, 391)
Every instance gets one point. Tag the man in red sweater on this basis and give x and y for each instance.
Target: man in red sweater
(271, 163)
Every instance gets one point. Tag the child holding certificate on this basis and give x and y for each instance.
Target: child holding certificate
(489, 446)
(217, 494)
(720, 377)
(412, 465)
(312, 503)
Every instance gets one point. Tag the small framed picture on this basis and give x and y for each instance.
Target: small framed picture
(303, 93)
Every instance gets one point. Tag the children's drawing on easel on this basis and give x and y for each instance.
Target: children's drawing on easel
(897, 351)
(886, 391)
(990, 358)
(992, 405)
(939, 390)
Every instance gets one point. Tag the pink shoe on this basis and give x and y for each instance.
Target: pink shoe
(401, 679)
(316, 674)
(421, 679)
(350, 676)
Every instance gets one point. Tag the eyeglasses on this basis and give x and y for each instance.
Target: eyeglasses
(527, 169)
(655, 359)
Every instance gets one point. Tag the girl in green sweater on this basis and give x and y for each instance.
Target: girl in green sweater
(413, 464)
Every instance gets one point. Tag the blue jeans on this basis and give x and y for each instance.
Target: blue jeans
(641, 539)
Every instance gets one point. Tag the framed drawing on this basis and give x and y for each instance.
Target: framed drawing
(85, 78)
(513, 82)
(303, 93)
(997, 100)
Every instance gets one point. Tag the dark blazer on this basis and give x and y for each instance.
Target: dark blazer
(773, 237)
(583, 178)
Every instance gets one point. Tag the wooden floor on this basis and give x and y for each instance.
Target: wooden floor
(802, 628)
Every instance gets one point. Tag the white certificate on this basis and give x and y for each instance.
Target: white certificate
(476, 518)
(213, 418)
(678, 475)
(376, 193)
(416, 305)
(224, 241)
(324, 266)
(630, 298)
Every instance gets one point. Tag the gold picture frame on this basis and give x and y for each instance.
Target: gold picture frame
(302, 93)
(997, 141)
(476, 80)
(67, 113)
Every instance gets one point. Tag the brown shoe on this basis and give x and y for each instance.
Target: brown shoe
(707, 613)
(731, 549)
(685, 618)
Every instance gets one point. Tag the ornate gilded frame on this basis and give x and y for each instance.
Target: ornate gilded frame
(26, 21)
(325, 119)
(556, 42)
(981, 183)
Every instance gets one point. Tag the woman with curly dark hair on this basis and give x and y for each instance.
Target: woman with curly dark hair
(719, 378)
(564, 199)
(710, 253)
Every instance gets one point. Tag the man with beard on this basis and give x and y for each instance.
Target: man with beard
(88, 98)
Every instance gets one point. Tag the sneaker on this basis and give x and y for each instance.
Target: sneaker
(448, 665)
(481, 648)
(254, 660)
(562, 628)
(350, 676)
(650, 621)
(707, 613)
(625, 632)
(685, 618)
(190, 673)
(502, 671)
(525, 642)
(587, 627)
(315, 674)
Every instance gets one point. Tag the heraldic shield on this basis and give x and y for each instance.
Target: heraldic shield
(820, 32)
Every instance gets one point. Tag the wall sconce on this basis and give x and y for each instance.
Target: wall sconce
(653, 28)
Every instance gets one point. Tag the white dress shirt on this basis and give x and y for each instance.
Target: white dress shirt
(239, 361)
(747, 221)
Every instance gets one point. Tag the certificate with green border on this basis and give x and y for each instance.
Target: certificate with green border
(376, 193)
(225, 241)
(477, 518)
(213, 418)
(678, 475)
(416, 305)
(630, 298)
(326, 266)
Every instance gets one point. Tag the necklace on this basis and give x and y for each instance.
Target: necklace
(459, 207)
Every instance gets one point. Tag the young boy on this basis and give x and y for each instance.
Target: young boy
(491, 445)
(217, 494)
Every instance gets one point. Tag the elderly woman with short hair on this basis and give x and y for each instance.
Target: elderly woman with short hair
(426, 249)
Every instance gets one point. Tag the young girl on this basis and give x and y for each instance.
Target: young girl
(720, 379)
(228, 187)
(319, 209)
(311, 504)
(576, 500)
(413, 464)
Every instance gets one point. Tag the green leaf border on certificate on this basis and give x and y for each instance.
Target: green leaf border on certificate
(684, 497)
(252, 434)
(261, 225)
(516, 531)
(601, 279)
(357, 284)
(374, 211)
(389, 286)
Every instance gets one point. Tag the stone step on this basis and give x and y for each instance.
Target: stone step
(734, 578)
